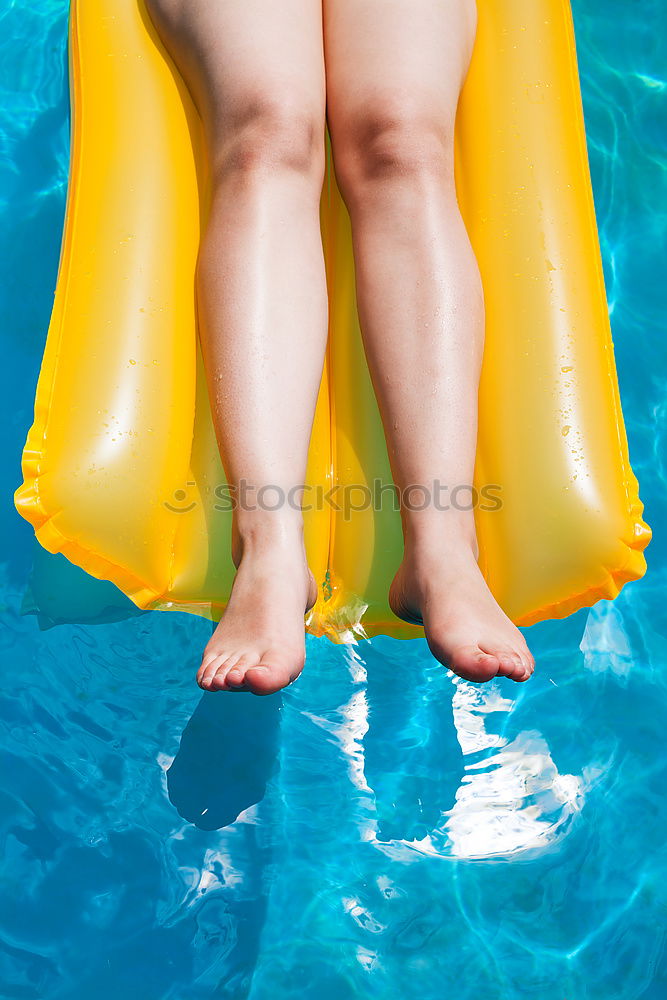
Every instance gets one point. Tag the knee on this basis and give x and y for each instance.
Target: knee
(263, 133)
(391, 139)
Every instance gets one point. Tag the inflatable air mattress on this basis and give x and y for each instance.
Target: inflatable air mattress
(120, 469)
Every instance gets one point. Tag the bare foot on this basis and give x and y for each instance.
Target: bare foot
(259, 644)
(465, 628)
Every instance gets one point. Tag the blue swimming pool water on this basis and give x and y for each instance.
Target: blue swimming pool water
(381, 830)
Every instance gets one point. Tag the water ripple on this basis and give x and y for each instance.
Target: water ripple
(383, 829)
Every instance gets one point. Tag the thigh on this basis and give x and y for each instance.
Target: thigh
(245, 60)
(402, 60)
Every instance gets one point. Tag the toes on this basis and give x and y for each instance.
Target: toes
(513, 664)
(235, 676)
(261, 674)
(523, 669)
(487, 665)
(275, 670)
(207, 660)
(528, 665)
(231, 673)
(469, 662)
(510, 664)
(266, 680)
(215, 669)
(527, 662)
(209, 668)
(504, 657)
(524, 653)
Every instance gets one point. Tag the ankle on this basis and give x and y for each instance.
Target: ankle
(438, 540)
(267, 534)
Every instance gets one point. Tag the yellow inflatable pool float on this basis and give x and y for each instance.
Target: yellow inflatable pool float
(121, 470)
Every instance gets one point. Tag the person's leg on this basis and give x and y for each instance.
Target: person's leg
(394, 73)
(256, 72)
